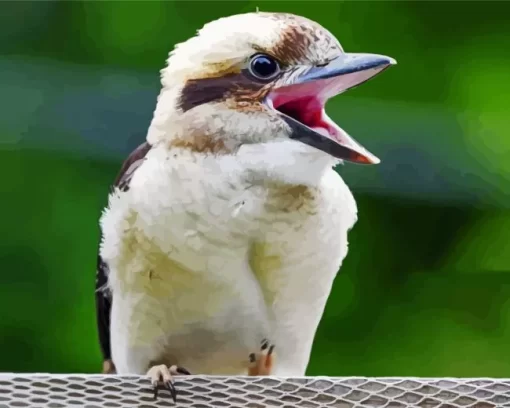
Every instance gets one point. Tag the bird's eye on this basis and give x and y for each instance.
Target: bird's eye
(264, 67)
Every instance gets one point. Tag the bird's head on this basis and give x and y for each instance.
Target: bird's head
(261, 80)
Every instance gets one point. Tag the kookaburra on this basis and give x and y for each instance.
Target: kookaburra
(225, 229)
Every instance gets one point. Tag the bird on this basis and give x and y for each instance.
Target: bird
(224, 230)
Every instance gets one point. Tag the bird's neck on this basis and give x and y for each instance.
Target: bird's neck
(284, 162)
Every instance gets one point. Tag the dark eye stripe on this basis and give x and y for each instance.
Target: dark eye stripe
(196, 92)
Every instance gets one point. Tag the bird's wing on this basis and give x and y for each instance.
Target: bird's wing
(129, 166)
(103, 294)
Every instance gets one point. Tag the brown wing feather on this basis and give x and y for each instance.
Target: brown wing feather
(129, 167)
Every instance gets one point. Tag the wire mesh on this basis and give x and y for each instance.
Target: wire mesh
(91, 391)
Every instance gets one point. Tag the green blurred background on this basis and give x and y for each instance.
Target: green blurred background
(425, 289)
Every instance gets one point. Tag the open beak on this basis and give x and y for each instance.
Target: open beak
(301, 100)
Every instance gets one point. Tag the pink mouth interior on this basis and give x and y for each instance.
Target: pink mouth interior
(305, 103)
(309, 110)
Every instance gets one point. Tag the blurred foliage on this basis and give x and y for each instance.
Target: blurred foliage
(424, 290)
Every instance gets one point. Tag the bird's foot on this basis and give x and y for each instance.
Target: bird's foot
(261, 363)
(161, 376)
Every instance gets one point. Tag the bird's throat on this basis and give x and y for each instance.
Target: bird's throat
(286, 161)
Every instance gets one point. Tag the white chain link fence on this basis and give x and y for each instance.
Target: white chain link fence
(101, 391)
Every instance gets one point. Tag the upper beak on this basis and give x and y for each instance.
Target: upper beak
(309, 92)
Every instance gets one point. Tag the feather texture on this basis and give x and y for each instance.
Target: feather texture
(204, 264)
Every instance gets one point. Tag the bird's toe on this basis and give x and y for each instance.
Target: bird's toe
(177, 370)
(161, 376)
(261, 363)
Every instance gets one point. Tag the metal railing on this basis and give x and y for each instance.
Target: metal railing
(101, 391)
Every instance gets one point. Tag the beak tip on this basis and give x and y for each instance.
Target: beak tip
(365, 158)
(388, 61)
(373, 160)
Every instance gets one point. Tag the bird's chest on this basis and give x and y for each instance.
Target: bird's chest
(182, 269)
(199, 243)
(213, 217)
(194, 260)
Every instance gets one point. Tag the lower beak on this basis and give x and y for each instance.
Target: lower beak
(301, 103)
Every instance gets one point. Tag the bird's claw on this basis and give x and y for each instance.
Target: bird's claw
(169, 386)
(261, 363)
(161, 376)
